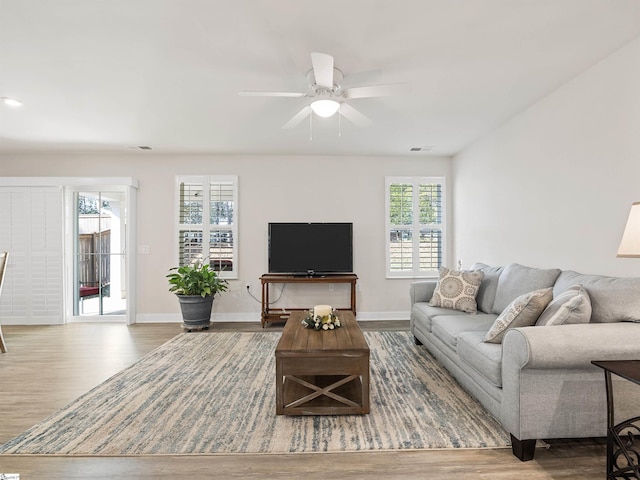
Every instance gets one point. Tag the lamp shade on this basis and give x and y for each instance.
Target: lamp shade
(630, 243)
(325, 108)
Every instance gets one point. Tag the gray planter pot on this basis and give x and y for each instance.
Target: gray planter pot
(196, 310)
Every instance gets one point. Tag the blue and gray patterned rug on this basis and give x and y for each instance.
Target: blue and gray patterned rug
(214, 392)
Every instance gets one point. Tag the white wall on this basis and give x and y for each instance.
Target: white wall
(553, 186)
(279, 188)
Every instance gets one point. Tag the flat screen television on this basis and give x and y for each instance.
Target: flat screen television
(312, 249)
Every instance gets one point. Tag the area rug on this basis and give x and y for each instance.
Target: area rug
(208, 392)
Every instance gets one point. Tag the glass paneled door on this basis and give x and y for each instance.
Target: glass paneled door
(99, 254)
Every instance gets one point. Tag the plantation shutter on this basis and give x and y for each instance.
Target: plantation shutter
(31, 230)
(430, 224)
(207, 230)
(191, 223)
(414, 226)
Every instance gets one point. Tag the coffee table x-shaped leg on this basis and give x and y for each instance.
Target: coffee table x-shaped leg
(318, 391)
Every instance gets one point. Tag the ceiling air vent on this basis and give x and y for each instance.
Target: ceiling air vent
(428, 148)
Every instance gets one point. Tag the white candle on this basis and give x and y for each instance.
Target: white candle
(321, 311)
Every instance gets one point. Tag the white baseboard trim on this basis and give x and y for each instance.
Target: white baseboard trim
(31, 321)
(177, 318)
(255, 317)
(372, 316)
(99, 319)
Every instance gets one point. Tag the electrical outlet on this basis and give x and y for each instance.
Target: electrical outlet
(247, 286)
(331, 287)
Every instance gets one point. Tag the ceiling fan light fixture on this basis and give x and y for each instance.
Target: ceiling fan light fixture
(325, 108)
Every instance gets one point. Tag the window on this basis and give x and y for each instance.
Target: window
(99, 251)
(415, 233)
(207, 222)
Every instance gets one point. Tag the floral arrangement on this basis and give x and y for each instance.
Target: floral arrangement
(321, 317)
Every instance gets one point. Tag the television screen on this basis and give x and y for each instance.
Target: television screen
(311, 248)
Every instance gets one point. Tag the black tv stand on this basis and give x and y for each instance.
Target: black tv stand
(282, 314)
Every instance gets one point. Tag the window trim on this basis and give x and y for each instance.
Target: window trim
(416, 181)
(206, 225)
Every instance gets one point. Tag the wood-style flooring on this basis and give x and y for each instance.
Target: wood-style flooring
(48, 366)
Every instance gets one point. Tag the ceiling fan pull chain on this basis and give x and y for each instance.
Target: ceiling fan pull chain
(339, 124)
(310, 125)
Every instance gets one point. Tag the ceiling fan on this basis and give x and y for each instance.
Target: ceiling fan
(327, 95)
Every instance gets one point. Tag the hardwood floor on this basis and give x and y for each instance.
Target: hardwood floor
(48, 366)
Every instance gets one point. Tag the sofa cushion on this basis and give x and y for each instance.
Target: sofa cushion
(423, 312)
(516, 280)
(613, 299)
(571, 306)
(457, 289)
(448, 327)
(522, 312)
(484, 358)
(488, 286)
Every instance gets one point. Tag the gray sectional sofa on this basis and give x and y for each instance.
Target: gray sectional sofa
(539, 382)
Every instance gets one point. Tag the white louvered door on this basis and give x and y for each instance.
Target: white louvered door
(31, 229)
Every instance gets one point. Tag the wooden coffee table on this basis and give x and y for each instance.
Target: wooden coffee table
(322, 372)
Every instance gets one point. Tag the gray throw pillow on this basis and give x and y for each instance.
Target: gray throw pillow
(457, 290)
(571, 306)
(488, 287)
(516, 280)
(613, 299)
(522, 312)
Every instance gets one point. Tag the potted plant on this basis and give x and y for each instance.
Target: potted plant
(195, 286)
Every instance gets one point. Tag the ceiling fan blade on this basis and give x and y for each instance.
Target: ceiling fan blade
(377, 90)
(271, 94)
(350, 113)
(298, 117)
(322, 69)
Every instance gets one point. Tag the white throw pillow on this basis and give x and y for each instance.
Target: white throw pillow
(522, 312)
(571, 306)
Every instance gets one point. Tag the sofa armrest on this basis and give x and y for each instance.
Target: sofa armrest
(550, 389)
(422, 291)
(570, 346)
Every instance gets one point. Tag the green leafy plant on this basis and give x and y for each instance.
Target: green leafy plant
(195, 279)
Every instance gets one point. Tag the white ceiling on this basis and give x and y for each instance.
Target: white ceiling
(98, 75)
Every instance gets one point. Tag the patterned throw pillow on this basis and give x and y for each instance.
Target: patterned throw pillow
(522, 312)
(457, 290)
(571, 306)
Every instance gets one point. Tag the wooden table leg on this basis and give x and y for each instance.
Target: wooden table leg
(3, 346)
(365, 386)
(265, 302)
(353, 297)
(279, 387)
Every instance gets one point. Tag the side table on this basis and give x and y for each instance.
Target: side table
(623, 439)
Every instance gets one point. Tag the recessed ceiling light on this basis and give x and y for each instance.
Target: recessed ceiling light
(12, 102)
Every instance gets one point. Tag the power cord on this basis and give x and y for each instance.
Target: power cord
(260, 301)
